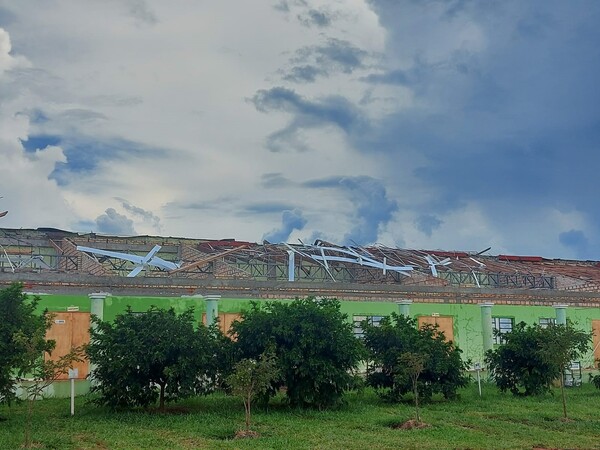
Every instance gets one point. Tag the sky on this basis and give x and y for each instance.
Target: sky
(423, 124)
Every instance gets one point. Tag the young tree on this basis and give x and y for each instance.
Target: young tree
(37, 373)
(443, 369)
(532, 357)
(18, 317)
(314, 344)
(140, 358)
(561, 345)
(414, 364)
(252, 378)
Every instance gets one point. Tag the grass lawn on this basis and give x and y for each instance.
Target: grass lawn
(493, 421)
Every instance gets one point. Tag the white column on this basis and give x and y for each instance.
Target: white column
(561, 314)
(404, 307)
(212, 308)
(487, 329)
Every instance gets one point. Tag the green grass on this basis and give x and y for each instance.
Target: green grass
(493, 421)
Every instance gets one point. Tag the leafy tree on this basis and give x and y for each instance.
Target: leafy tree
(532, 357)
(252, 378)
(18, 317)
(314, 345)
(158, 354)
(443, 369)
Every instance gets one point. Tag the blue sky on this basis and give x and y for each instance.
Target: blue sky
(435, 124)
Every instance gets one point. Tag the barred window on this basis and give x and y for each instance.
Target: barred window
(503, 325)
(545, 321)
(357, 321)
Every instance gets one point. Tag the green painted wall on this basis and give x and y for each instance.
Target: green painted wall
(466, 317)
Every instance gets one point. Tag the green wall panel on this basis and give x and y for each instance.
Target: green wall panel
(466, 317)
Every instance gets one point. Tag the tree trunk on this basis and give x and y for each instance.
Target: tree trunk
(161, 404)
(562, 393)
(247, 408)
(28, 422)
(416, 393)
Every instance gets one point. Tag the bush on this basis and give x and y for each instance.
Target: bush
(313, 343)
(532, 357)
(158, 354)
(442, 371)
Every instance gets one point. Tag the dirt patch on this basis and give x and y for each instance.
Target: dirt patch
(243, 434)
(410, 425)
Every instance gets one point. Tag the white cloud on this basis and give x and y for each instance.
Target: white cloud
(149, 101)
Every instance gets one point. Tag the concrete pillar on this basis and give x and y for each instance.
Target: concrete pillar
(291, 265)
(561, 314)
(96, 309)
(212, 308)
(404, 307)
(487, 329)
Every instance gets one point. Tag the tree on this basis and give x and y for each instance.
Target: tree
(37, 373)
(252, 378)
(563, 344)
(414, 364)
(443, 369)
(314, 345)
(158, 354)
(18, 317)
(532, 357)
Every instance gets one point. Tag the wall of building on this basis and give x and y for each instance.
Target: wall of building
(466, 317)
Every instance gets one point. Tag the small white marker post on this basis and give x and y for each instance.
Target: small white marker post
(73, 373)
(478, 368)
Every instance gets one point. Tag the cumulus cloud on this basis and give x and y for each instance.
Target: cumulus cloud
(7, 60)
(373, 209)
(428, 223)
(146, 216)
(315, 17)
(290, 221)
(334, 56)
(306, 114)
(111, 222)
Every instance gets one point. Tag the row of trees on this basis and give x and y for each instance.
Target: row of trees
(305, 348)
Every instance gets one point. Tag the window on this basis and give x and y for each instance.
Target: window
(545, 321)
(503, 325)
(372, 320)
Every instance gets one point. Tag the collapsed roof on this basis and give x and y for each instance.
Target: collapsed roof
(52, 250)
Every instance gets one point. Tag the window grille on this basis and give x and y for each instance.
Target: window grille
(502, 325)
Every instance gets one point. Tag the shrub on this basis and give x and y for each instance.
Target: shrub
(442, 371)
(532, 357)
(314, 345)
(158, 354)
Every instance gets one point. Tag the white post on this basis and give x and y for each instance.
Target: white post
(73, 373)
